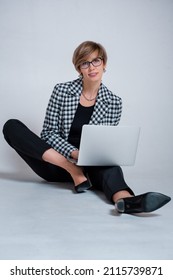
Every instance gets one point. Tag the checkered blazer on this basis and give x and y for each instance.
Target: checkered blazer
(62, 107)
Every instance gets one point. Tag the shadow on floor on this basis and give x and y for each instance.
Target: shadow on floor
(19, 176)
(29, 178)
(114, 212)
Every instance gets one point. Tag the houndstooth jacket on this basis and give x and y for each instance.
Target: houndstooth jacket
(62, 107)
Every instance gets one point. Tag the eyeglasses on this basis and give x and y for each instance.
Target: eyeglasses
(95, 62)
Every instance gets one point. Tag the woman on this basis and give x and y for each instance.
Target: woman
(72, 104)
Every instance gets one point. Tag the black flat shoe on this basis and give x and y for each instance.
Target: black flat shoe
(146, 202)
(83, 187)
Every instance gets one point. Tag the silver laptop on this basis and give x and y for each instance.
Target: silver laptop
(103, 145)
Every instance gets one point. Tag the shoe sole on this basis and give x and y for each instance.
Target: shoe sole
(151, 201)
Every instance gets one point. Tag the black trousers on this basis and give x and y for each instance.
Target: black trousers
(30, 147)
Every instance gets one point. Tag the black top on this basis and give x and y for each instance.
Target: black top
(82, 116)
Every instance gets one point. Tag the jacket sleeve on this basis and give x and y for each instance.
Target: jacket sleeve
(51, 131)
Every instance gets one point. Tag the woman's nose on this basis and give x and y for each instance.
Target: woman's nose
(91, 66)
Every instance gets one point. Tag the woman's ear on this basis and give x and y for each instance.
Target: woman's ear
(80, 75)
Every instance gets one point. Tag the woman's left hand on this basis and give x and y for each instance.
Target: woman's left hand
(75, 154)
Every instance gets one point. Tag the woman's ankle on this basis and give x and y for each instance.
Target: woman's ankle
(78, 176)
(120, 194)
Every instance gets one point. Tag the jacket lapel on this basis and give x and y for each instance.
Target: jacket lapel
(101, 105)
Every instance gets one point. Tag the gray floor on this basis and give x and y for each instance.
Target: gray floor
(40, 220)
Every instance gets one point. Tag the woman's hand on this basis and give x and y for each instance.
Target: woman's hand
(75, 154)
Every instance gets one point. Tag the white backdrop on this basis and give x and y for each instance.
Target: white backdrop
(38, 38)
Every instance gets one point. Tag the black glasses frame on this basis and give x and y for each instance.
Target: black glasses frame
(91, 62)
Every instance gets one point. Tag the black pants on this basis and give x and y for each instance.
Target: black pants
(31, 148)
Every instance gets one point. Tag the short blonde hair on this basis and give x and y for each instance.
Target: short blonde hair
(84, 50)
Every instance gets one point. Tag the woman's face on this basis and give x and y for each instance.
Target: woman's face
(93, 73)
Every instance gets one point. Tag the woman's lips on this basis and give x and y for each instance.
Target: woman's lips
(92, 74)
